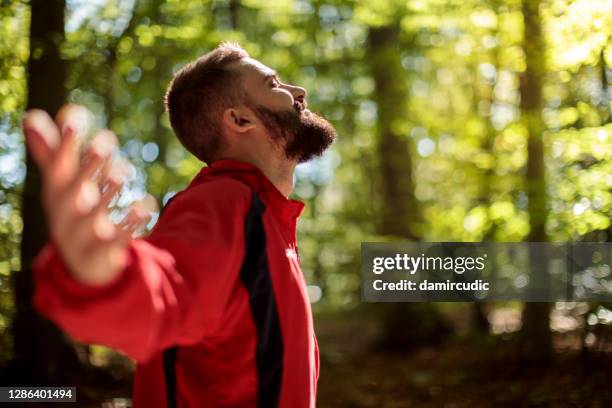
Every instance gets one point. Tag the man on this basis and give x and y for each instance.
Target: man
(212, 304)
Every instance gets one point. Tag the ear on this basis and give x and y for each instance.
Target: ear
(239, 120)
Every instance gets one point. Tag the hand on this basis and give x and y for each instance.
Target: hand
(76, 193)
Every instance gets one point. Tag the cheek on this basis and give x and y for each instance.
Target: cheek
(281, 99)
(274, 99)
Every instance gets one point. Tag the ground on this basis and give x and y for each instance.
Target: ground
(465, 371)
(470, 371)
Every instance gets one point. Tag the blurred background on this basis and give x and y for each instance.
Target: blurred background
(458, 120)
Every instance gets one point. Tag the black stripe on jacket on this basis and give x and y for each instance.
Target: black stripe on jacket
(169, 361)
(256, 277)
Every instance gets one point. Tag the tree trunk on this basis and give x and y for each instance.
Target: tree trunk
(41, 353)
(536, 339)
(479, 313)
(405, 325)
(604, 104)
(401, 214)
(233, 8)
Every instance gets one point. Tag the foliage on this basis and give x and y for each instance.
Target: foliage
(462, 63)
(14, 50)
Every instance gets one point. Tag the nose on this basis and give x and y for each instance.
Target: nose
(299, 93)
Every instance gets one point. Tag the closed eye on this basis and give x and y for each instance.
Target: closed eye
(272, 78)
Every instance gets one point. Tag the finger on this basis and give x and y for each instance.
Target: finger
(38, 148)
(100, 148)
(140, 213)
(73, 115)
(146, 207)
(148, 204)
(102, 175)
(115, 179)
(105, 142)
(64, 165)
(115, 170)
(67, 143)
(42, 136)
(109, 190)
(102, 227)
(75, 203)
(137, 218)
(73, 120)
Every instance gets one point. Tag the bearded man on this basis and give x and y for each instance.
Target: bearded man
(212, 304)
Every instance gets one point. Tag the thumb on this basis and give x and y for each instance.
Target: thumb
(42, 136)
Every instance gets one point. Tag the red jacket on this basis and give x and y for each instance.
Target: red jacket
(213, 304)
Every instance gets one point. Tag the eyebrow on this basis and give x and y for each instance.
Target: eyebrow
(271, 75)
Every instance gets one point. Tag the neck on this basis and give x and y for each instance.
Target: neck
(279, 172)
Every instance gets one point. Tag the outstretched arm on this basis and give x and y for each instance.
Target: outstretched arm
(139, 296)
(76, 203)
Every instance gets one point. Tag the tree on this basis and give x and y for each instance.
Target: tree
(536, 338)
(405, 325)
(41, 352)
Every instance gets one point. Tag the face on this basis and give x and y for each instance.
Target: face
(282, 109)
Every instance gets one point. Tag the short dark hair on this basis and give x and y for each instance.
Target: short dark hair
(197, 96)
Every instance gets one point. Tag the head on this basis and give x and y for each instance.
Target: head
(226, 104)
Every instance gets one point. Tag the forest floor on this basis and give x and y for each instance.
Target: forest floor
(465, 371)
(468, 371)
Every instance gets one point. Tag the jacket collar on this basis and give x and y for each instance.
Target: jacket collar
(288, 209)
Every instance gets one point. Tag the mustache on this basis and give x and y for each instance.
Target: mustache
(300, 106)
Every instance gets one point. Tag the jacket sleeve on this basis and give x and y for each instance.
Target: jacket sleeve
(176, 284)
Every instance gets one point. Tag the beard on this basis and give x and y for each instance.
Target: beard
(304, 135)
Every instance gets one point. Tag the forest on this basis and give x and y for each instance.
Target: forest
(457, 121)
